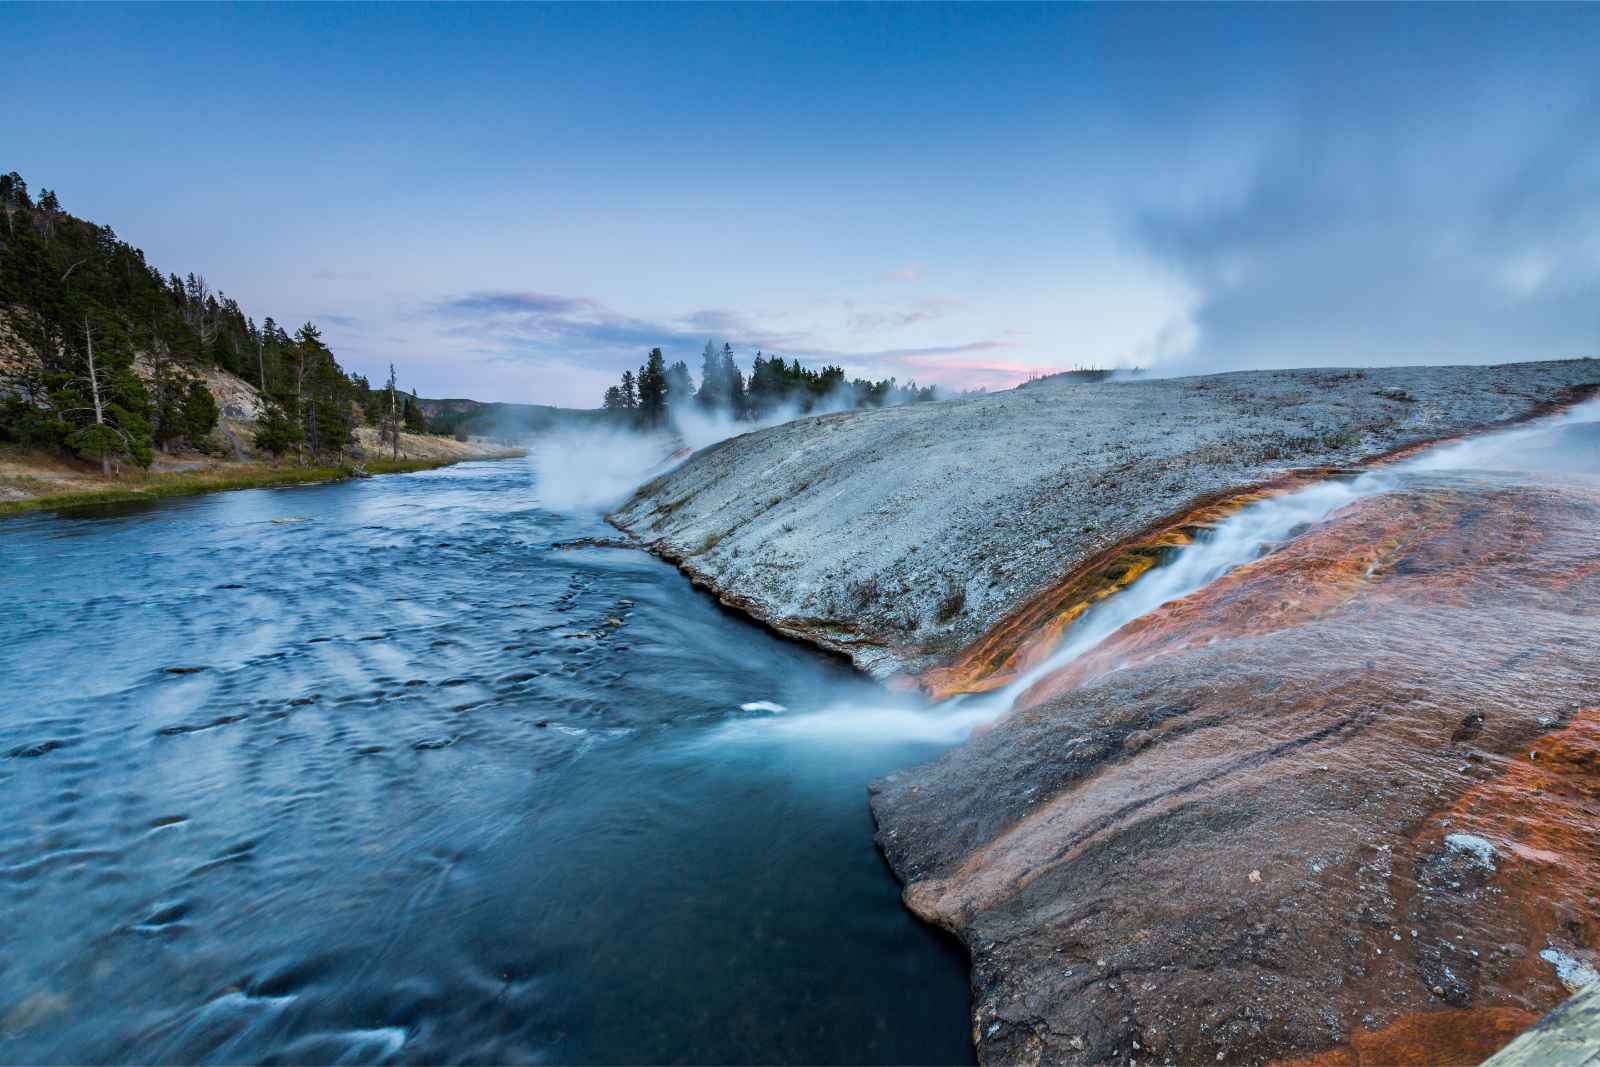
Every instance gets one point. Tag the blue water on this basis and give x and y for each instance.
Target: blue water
(437, 792)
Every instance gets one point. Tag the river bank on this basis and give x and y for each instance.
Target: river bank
(37, 481)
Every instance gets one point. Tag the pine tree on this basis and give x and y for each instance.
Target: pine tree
(713, 379)
(733, 384)
(166, 405)
(630, 393)
(759, 397)
(680, 386)
(653, 389)
(199, 412)
(277, 431)
(415, 421)
(112, 418)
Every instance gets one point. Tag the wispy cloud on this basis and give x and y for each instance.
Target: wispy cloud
(520, 324)
(958, 366)
(579, 333)
(906, 272)
(881, 320)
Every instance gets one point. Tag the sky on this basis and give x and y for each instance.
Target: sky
(515, 202)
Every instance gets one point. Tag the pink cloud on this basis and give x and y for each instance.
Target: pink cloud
(960, 366)
(906, 272)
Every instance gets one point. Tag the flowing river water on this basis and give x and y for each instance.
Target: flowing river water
(374, 772)
(370, 772)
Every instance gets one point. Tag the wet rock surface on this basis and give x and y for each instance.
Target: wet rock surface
(901, 536)
(1341, 806)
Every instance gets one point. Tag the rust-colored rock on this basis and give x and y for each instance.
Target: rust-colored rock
(1427, 1040)
(1336, 804)
(1024, 638)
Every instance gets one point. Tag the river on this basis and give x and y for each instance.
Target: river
(373, 772)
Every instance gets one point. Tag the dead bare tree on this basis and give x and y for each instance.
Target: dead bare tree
(99, 405)
(389, 430)
(299, 399)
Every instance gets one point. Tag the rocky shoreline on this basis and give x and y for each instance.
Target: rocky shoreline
(1339, 810)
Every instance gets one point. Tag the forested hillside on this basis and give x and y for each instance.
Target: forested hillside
(101, 353)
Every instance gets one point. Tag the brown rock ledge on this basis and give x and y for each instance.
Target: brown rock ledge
(1345, 804)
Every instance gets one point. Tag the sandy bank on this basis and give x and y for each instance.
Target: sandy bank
(33, 480)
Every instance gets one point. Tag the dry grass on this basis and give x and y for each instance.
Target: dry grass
(67, 485)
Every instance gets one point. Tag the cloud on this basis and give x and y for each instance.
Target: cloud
(906, 272)
(581, 339)
(887, 319)
(475, 306)
(584, 332)
(952, 366)
(1389, 241)
(348, 322)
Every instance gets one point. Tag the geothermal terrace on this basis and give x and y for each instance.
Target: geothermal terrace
(1336, 804)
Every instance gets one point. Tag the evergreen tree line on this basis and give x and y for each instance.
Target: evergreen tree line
(648, 396)
(84, 302)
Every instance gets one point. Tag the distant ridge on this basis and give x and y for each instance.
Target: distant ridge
(502, 421)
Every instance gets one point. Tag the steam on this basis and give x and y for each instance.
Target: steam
(595, 468)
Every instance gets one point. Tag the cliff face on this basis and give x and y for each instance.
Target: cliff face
(901, 536)
(1340, 804)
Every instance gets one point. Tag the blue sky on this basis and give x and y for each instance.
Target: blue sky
(515, 202)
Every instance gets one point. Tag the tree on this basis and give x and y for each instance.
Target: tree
(118, 425)
(277, 431)
(613, 399)
(389, 428)
(415, 421)
(166, 417)
(713, 379)
(74, 294)
(49, 211)
(653, 389)
(680, 387)
(324, 396)
(733, 384)
(199, 413)
(630, 393)
(13, 199)
(761, 396)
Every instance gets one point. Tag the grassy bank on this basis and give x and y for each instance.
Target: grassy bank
(154, 485)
